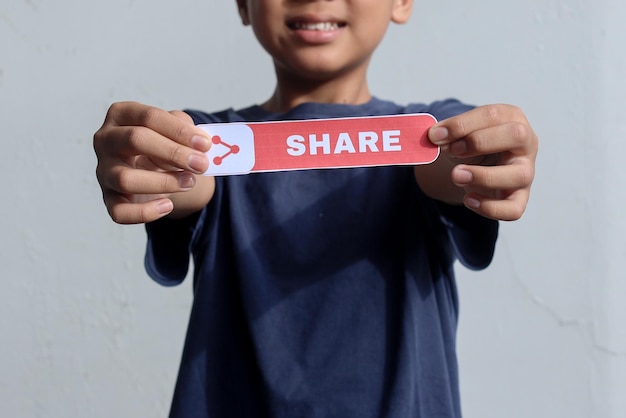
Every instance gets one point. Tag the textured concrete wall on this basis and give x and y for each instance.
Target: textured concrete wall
(84, 332)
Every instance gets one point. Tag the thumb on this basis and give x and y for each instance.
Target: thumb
(439, 134)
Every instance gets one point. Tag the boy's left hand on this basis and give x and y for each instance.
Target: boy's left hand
(495, 148)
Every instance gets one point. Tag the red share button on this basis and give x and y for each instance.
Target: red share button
(240, 148)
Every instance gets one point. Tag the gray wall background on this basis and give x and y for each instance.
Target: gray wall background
(84, 332)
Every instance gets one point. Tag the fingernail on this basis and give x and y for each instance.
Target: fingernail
(197, 163)
(200, 143)
(165, 207)
(438, 134)
(463, 176)
(186, 180)
(458, 148)
(472, 202)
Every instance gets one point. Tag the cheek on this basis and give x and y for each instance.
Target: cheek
(263, 32)
(372, 30)
(369, 36)
(269, 43)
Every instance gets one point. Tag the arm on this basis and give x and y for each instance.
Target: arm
(487, 162)
(148, 161)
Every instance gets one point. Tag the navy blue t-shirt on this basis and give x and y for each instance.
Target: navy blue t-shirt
(321, 293)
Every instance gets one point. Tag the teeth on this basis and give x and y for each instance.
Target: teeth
(321, 26)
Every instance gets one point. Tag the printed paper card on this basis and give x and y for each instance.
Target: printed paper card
(241, 148)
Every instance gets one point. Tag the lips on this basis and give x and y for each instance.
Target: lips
(315, 29)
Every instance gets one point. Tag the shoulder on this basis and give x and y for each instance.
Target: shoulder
(199, 116)
(441, 109)
(248, 114)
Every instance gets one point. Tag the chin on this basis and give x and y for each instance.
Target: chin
(320, 70)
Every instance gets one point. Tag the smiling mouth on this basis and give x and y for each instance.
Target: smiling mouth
(318, 26)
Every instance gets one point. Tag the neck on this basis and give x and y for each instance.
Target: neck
(294, 90)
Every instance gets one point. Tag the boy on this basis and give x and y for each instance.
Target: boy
(320, 293)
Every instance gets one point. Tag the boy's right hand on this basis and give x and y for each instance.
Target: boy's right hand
(145, 155)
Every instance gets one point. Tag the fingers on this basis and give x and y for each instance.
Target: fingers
(131, 181)
(123, 211)
(482, 117)
(145, 154)
(176, 126)
(139, 196)
(126, 142)
(170, 140)
(182, 116)
(514, 138)
(485, 130)
(498, 192)
(504, 177)
(497, 148)
(505, 206)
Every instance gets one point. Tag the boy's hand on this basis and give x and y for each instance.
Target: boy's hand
(144, 155)
(495, 148)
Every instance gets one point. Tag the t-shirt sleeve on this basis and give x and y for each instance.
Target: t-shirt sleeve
(167, 252)
(473, 236)
(168, 247)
